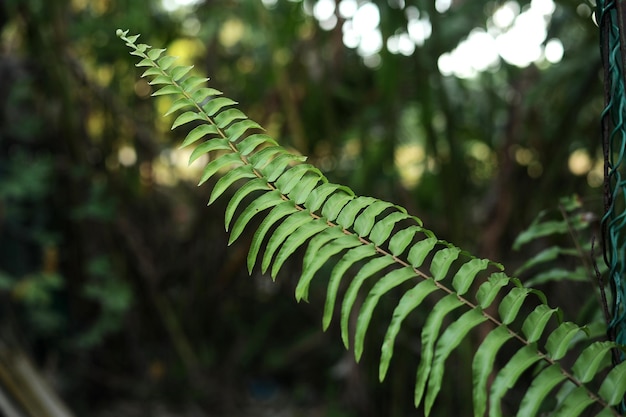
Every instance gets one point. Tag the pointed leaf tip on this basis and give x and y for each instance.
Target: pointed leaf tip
(185, 118)
(154, 54)
(131, 39)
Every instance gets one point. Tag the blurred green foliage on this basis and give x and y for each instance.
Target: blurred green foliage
(118, 280)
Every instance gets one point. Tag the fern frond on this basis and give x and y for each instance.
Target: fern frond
(572, 220)
(387, 246)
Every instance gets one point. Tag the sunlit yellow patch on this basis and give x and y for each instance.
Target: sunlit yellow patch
(528, 158)
(164, 124)
(352, 148)
(480, 151)
(126, 155)
(101, 6)
(186, 50)
(79, 5)
(410, 163)
(231, 32)
(162, 173)
(579, 162)
(180, 161)
(483, 161)
(104, 74)
(95, 124)
(173, 166)
(523, 156)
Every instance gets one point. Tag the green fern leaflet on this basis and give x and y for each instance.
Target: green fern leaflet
(392, 251)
